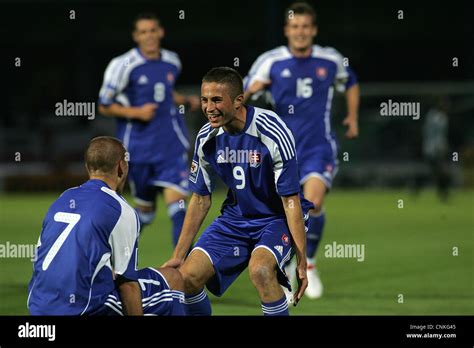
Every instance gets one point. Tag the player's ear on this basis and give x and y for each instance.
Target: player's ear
(315, 30)
(238, 101)
(161, 32)
(134, 36)
(285, 30)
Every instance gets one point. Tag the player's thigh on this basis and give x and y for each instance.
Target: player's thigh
(144, 194)
(172, 195)
(314, 190)
(196, 271)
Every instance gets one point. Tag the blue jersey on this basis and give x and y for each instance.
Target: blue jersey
(302, 91)
(89, 233)
(258, 165)
(133, 80)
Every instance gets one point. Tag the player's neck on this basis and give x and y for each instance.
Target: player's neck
(301, 53)
(108, 180)
(238, 122)
(155, 54)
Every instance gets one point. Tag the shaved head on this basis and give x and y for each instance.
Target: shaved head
(103, 154)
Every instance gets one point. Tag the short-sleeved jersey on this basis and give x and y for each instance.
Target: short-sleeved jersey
(258, 165)
(133, 80)
(89, 233)
(302, 90)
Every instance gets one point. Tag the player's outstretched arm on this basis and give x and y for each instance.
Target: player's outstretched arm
(143, 113)
(131, 296)
(294, 217)
(351, 120)
(254, 88)
(193, 101)
(196, 213)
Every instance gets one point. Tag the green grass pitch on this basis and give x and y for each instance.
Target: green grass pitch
(423, 251)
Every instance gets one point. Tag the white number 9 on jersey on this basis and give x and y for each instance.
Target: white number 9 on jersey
(239, 175)
(159, 95)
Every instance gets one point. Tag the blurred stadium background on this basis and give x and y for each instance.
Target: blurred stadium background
(409, 251)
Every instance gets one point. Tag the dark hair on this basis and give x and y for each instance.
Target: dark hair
(145, 15)
(103, 154)
(300, 8)
(228, 76)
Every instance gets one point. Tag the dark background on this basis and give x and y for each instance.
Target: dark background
(63, 58)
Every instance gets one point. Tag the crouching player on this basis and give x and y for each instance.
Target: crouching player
(253, 152)
(87, 252)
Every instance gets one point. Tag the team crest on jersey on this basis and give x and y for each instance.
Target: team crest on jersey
(285, 239)
(194, 171)
(321, 73)
(170, 77)
(255, 159)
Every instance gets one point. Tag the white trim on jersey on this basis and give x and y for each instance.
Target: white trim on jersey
(260, 70)
(203, 164)
(123, 99)
(284, 137)
(204, 129)
(270, 144)
(126, 135)
(124, 235)
(29, 295)
(327, 122)
(179, 133)
(104, 260)
(118, 71)
(170, 57)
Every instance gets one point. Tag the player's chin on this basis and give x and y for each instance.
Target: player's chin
(215, 122)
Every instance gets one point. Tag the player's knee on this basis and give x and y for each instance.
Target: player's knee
(192, 281)
(145, 217)
(261, 274)
(173, 278)
(318, 208)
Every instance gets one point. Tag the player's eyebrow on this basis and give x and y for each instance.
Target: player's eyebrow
(217, 97)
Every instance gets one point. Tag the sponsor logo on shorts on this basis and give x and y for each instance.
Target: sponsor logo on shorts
(285, 239)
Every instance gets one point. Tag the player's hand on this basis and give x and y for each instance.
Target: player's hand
(173, 263)
(302, 279)
(352, 127)
(146, 112)
(194, 102)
